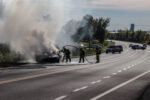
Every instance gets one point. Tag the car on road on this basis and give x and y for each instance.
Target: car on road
(138, 47)
(130, 45)
(145, 45)
(114, 49)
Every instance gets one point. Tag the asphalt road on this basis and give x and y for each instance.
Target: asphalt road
(122, 76)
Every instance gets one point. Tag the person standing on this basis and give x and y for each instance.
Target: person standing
(68, 58)
(98, 52)
(82, 55)
(64, 54)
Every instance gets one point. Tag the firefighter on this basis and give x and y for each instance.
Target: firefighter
(82, 55)
(64, 54)
(68, 55)
(98, 52)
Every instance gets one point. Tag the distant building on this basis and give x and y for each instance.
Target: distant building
(132, 27)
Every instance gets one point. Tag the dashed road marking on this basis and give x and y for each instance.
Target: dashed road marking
(120, 71)
(82, 88)
(124, 69)
(98, 81)
(114, 73)
(61, 97)
(93, 82)
(107, 77)
(129, 67)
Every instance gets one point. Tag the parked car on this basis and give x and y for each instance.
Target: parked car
(114, 49)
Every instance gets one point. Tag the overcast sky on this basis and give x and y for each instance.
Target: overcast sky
(121, 12)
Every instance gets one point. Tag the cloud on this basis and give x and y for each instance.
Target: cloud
(109, 4)
(121, 4)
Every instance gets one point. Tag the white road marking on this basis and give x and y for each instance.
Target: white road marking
(76, 90)
(93, 82)
(114, 73)
(82, 88)
(120, 71)
(98, 81)
(124, 69)
(119, 86)
(129, 67)
(107, 77)
(61, 97)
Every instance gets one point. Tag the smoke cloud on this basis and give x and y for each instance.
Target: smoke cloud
(33, 27)
(75, 31)
(30, 27)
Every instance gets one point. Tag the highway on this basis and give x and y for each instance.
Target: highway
(122, 76)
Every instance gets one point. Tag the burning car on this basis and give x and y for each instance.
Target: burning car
(48, 58)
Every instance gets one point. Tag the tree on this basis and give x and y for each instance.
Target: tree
(100, 25)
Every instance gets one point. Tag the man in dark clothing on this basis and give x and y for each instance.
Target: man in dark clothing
(64, 54)
(68, 55)
(98, 52)
(82, 55)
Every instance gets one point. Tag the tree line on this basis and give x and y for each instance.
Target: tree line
(137, 36)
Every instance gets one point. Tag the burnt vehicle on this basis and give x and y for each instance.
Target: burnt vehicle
(114, 49)
(48, 58)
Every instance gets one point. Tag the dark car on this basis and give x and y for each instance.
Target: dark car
(138, 47)
(130, 45)
(114, 49)
(120, 47)
(145, 45)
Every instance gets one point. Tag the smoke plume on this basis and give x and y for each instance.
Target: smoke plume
(30, 27)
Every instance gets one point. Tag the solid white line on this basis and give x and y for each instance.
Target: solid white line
(60, 98)
(119, 86)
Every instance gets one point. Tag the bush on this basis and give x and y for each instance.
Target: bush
(8, 56)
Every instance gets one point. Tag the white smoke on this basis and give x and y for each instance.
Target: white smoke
(30, 27)
(34, 26)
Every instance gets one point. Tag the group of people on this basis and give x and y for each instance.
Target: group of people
(67, 53)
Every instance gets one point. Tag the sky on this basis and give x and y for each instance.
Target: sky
(121, 12)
